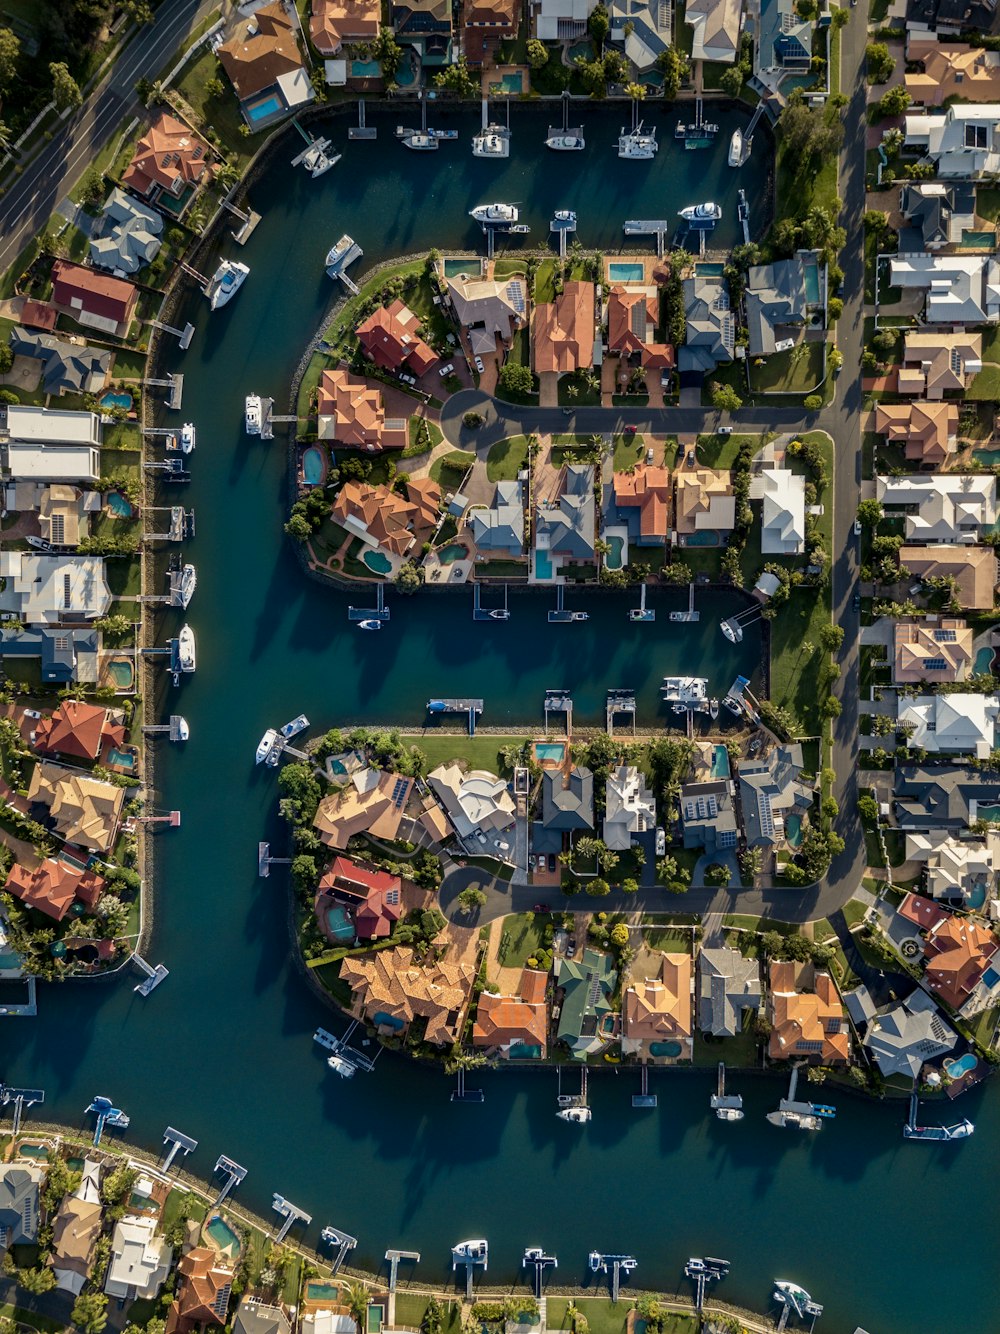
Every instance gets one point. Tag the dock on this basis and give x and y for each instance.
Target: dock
(644, 1098)
(248, 222)
(345, 257)
(340, 1243)
(743, 215)
(617, 1266)
(26, 1009)
(726, 1106)
(341, 1052)
(563, 228)
(179, 1143)
(938, 1134)
(106, 1116)
(394, 1258)
(795, 1301)
(380, 612)
(181, 524)
(642, 612)
(470, 1262)
(536, 1259)
(797, 1114)
(658, 227)
(233, 1173)
(700, 133)
(153, 978)
(560, 616)
(174, 385)
(21, 1099)
(361, 130)
(702, 1272)
(265, 861)
(462, 1094)
(559, 701)
(620, 703)
(291, 1213)
(686, 616)
(471, 708)
(171, 470)
(481, 613)
(183, 336)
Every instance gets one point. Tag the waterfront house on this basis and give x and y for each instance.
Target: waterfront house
(716, 29)
(80, 809)
(728, 986)
(65, 368)
(962, 142)
(927, 797)
(562, 332)
(51, 445)
(641, 499)
(63, 513)
(937, 362)
(487, 310)
(708, 818)
(633, 313)
(477, 803)
(949, 18)
(906, 1036)
(334, 23)
(78, 730)
(657, 1013)
(204, 1287)
(973, 570)
(778, 299)
(785, 40)
(19, 1205)
(328, 1322)
(426, 25)
(55, 590)
(63, 655)
(257, 1317)
(643, 28)
(390, 336)
(783, 511)
(630, 807)
(565, 528)
(96, 300)
(382, 518)
(170, 162)
(373, 898)
(126, 236)
(704, 502)
(942, 507)
(485, 24)
(937, 215)
(807, 1019)
(959, 954)
(960, 289)
(584, 988)
(515, 1026)
(951, 724)
(265, 66)
(498, 531)
(710, 326)
(928, 432)
(75, 1230)
(140, 1261)
(392, 988)
(562, 20)
(351, 414)
(959, 71)
(960, 871)
(771, 795)
(371, 802)
(936, 648)
(53, 885)
(568, 800)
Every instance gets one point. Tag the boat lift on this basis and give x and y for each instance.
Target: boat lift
(173, 383)
(619, 702)
(394, 1258)
(642, 613)
(536, 1259)
(563, 228)
(342, 1053)
(183, 336)
(106, 1116)
(461, 1094)
(340, 1242)
(961, 1130)
(380, 612)
(233, 1173)
(179, 1143)
(481, 613)
(248, 222)
(559, 701)
(702, 1272)
(471, 708)
(154, 976)
(726, 1106)
(361, 130)
(644, 1098)
(291, 1213)
(265, 861)
(21, 1098)
(470, 1263)
(560, 615)
(618, 1266)
(798, 1114)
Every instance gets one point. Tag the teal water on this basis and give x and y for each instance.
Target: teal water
(626, 273)
(377, 561)
(720, 762)
(119, 505)
(313, 466)
(322, 1292)
(387, 1156)
(613, 560)
(984, 660)
(223, 1235)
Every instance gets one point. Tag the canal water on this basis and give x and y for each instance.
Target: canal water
(223, 1051)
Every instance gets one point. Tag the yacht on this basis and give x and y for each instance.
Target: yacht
(564, 215)
(341, 1067)
(791, 1294)
(443, 134)
(736, 149)
(565, 143)
(187, 437)
(636, 144)
(493, 141)
(475, 1251)
(227, 280)
(417, 139)
(578, 1115)
(708, 212)
(370, 625)
(317, 161)
(497, 214)
(183, 730)
(296, 726)
(187, 584)
(713, 708)
(253, 414)
(729, 1113)
(185, 649)
(266, 745)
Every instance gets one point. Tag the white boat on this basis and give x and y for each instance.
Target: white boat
(494, 141)
(266, 745)
(187, 584)
(317, 161)
(694, 1267)
(501, 215)
(707, 212)
(39, 543)
(729, 630)
(791, 1294)
(444, 134)
(183, 730)
(636, 144)
(565, 143)
(188, 437)
(253, 414)
(713, 708)
(340, 1066)
(369, 625)
(736, 149)
(227, 280)
(729, 1113)
(417, 139)
(335, 255)
(185, 649)
(594, 1261)
(475, 1251)
(577, 1115)
(296, 726)
(564, 215)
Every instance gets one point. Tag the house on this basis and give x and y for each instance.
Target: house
(728, 986)
(265, 66)
(390, 337)
(630, 807)
(562, 335)
(562, 20)
(487, 309)
(905, 1037)
(351, 412)
(710, 326)
(961, 289)
(127, 235)
(704, 502)
(371, 802)
(45, 427)
(334, 23)
(586, 986)
(38, 315)
(937, 648)
(708, 818)
(946, 507)
(716, 29)
(785, 40)
(36, 464)
(946, 797)
(566, 527)
(382, 518)
(426, 26)
(641, 498)
(778, 299)
(966, 72)
(633, 313)
(53, 886)
(79, 730)
(806, 1024)
(643, 28)
(140, 1261)
(204, 1287)
(499, 530)
(19, 1205)
(487, 23)
(64, 655)
(656, 1012)
(938, 214)
(937, 362)
(928, 432)
(568, 799)
(952, 724)
(256, 1317)
(476, 802)
(516, 1026)
(954, 869)
(374, 899)
(64, 514)
(75, 1230)
(55, 590)
(169, 163)
(80, 809)
(66, 368)
(974, 570)
(391, 989)
(950, 17)
(959, 952)
(327, 1322)
(96, 300)
(770, 791)
(783, 511)
(962, 142)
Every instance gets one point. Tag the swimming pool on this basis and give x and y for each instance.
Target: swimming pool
(543, 565)
(670, 1048)
(375, 1316)
(991, 813)
(977, 895)
(584, 49)
(984, 660)
(119, 505)
(510, 85)
(313, 466)
(365, 69)
(408, 70)
(33, 1150)
(378, 562)
(223, 1235)
(626, 273)
(521, 1051)
(322, 1292)
(960, 1065)
(122, 672)
(793, 830)
(270, 106)
(380, 1018)
(451, 553)
(552, 752)
(454, 268)
(710, 270)
(110, 400)
(123, 758)
(720, 762)
(613, 560)
(338, 924)
(705, 537)
(990, 458)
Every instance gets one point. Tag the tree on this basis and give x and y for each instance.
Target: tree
(455, 78)
(10, 50)
(409, 577)
(432, 1321)
(599, 887)
(834, 309)
(37, 1281)
(880, 62)
(630, 886)
(6, 358)
(731, 82)
(538, 53)
(473, 420)
(516, 379)
(718, 874)
(471, 899)
(64, 87)
(812, 403)
(299, 527)
(214, 88)
(725, 398)
(831, 637)
(139, 11)
(894, 102)
(90, 1312)
(675, 68)
(599, 25)
(839, 17)
(619, 935)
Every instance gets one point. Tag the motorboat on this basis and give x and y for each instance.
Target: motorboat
(717, 1265)
(793, 1295)
(183, 730)
(188, 438)
(470, 1252)
(340, 1066)
(296, 726)
(729, 630)
(713, 708)
(185, 649)
(111, 1115)
(564, 215)
(594, 1261)
(707, 212)
(580, 616)
(39, 543)
(496, 215)
(186, 585)
(417, 140)
(493, 141)
(227, 280)
(266, 745)
(339, 256)
(694, 1267)
(253, 414)
(729, 1113)
(565, 143)
(369, 625)
(637, 144)
(736, 149)
(444, 134)
(577, 1115)
(534, 1254)
(499, 614)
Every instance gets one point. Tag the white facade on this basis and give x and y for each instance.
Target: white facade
(559, 20)
(53, 463)
(964, 141)
(140, 1262)
(477, 800)
(53, 426)
(955, 724)
(53, 590)
(961, 289)
(951, 507)
(630, 807)
(783, 518)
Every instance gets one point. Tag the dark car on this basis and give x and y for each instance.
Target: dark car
(542, 907)
(552, 861)
(571, 947)
(856, 602)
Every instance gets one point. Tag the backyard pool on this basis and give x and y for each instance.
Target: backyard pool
(960, 1065)
(314, 466)
(119, 505)
(409, 69)
(626, 273)
(984, 660)
(550, 752)
(389, 1020)
(510, 85)
(122, 673)
(365, 69)
(977, 895)
(710, 270)
(990, 813)
(613, 560)
(33, 1150)
(521, 1051)
(375, 1317)
(110, 400)
(720, 762)
(451, 553)
(123, 758)
(454, 268)
(223, 1235)
(707, 537)
(261, 110)
(584, 49)
(793, 830)
(338, 924)
(543, 565)
(378, 562)
(670, 1048)
(322, 1292)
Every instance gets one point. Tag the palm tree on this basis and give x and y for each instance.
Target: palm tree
(356, 1299)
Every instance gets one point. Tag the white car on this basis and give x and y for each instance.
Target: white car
(407, 379)
(724, 430)
(447, 370)
(857, 527)
(32, 713)
(661, 841)
(479, 364)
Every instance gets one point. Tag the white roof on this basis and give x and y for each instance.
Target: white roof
(53, 463)
(951, 507)
(296, 87)
(783, 493)
(61, 426)
(961, 289)
(476, 800)
(954, 724)
(630, 807)
(328, 1322)
(139, 1262)
(55, 589)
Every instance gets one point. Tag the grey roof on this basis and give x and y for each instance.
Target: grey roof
(942, 796)
(936, 212)
(710, 327)
(570, 807)
(569, 522)
(956, 15)
(254, 1318)
(904, 1037)
(501, 527)
(18, 1204)
(707, 815)
(776, 295)
(127, 236)
(66, 367)
(771, 787)
(545, 840)
(728, 984)
(65, 654)
(860, 1005)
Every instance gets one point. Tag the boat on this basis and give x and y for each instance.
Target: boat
(732, 631)
(736, 149)
(565, 143)
(188, 437)
(187, 584)
(417, 139)
(369, 625)
(340, 1066)
(742, 207)
(962, 1130)
(495, 215)
(470, 1252)
(580, 616)
(499, 614)
(39, 543)
(266, 745)
(694, 1267)
(493, 141)
(253, 414)
(637, 145)
(227, 280)
(185, 649)
(296, 726)
(713, 708)
(795, 1296)
(578, 1115)
(521, 228)
(533, 1254)
(345, 252)
(111, 1115)
(183, 730)
(707, 212)
(729, 1113)
(716, 1264)
(444, 134)
(316, 160)
(564, 215)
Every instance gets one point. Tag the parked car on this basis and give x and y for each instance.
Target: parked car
(447, 370)
(542, 907)
(32, 713)
(690, 461)
(755, 744)
(724, 430)
(479, 364)
(856, 602)
(857, 527)
(661, 842)
(552, 861)
(571, 947)
(407, 379)
(784, 345)
(650, 455)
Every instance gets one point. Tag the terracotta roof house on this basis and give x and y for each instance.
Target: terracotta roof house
(973, 568)
(374, 898)
(75, 1230)
(958, 952)
(391, 989)
(352, 413)
(632, 318)
(966, 72)
(659, 1010)
(96, 300)
(67, 368)
(424, 495)
(806, 1024)
(80, 809)
(933, 363)
(563, 331)
(703, 501)
(921, 911)
(938, 648)
(53, 886)
(78, 729)
(381, 517)
(516, 1025)
(169, 163)
(265, 66)
(486, 24)
(389, 336)
(928, 432)
(642, 500)
(334, 22)
(371, 803)
(204, 1287)
(426, 26)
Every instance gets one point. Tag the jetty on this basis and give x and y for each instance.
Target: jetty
(21, 1099)
(702, 1272)
(107, 1115)
(339, 257)
(171, 470)
(233, 1174)
(175, 730)
(658, 227)
(183, 336)
(795, 1301)
(743, 216)
(699, 133)
(362, 130)
(291, 1213)
(617, 1266)
(536, 1259)
(173, 382)
(179, 1143)
(462, 1094)
(726, 1106)
(937, 1134)
(563, 225)
(154, 976)
(560, 616)
(340, 1243)
(481, 613)
(644, 1098)
(642, 612)
(470, 1254)
(342, 1054)
(394, 1258)
(797, 1114)
(689, 616)
(380, 612)
(248, 222)
(265, 861)
(620, 704)
(471, 708)
(559, 701)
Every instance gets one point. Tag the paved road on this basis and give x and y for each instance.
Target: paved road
(32, 198)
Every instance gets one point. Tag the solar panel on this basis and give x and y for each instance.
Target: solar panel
(946, 636)
(935, 664)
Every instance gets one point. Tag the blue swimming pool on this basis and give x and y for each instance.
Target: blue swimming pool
(670, 1048)
(119, 505)
(626, 273)
(313, 466)
(124, 759)
(543, 565)
(378, 562)
(707, 537)
(110, 400)
(793, 830)
(984, 660)
(961, 1064)
(365, 69)
(977, 895)
(552, 751)
(389, 1020)
(521, 1051)
(338, 924)
(709, 270)
(991, 977)
(509, 85)
(270, 106)
(613, 560)
(720, 762)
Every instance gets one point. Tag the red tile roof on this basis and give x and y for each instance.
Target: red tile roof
(98, 293)
(925, 912)
(79, 729)
(958, 952)
(629, 312)
(169, 155)
(39, 315)
(647, 489)
(563, 334)
(53, 886)
(390, 338)
(375, 896)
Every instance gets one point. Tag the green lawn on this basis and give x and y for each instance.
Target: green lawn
(797, 371)
(672, 939)
(129, 364)
(221, 113)
(506, 458)
(124, 576)
(986, 385)
(178, 1201)
(433, 430)
(410, 1308)
(854, 912)
(521, 939)
(450, 469)
(629, 450)
(603, 1317)
(719, 451)
(480, 752)
(739, 1050)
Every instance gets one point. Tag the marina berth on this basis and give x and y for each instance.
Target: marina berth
(227, 280)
